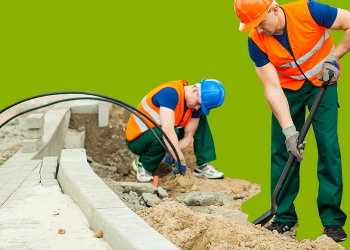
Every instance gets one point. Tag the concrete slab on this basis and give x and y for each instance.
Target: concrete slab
(31, 145)
(29, 167)
(30, 182)
(56, 124)
(135, 234)
(48, 169)
(8, 171)
(30, 222)
(49, 164)
(34, 133)
(88, 191)
(50, 159)
(74, 139)
(34, 121)
(84, 107)
(34, 176)
(103, 208)
(6, 192)
(73, 155)
(33, 162)
(11, 186)
(47, 175)
(6, 177)
(3, 199)
(49, 182)
(18, 196)
(23, 173)
(103, 113)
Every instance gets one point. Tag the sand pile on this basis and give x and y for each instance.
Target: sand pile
(198, 231)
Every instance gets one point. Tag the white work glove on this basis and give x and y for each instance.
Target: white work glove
(292, 136)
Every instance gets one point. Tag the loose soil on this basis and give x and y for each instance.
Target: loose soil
(197, 231)
(111, 160)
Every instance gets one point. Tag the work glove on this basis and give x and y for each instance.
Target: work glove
(176, 169)
(330, 65)
(292, 136)
(169, 159)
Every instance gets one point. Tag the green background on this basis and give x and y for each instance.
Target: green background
(125, 48)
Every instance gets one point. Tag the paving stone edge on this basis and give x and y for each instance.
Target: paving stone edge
(121, 227)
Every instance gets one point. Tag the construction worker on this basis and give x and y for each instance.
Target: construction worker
(181, 111)
(293, 52)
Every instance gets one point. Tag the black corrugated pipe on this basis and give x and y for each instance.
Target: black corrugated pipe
(127, 106)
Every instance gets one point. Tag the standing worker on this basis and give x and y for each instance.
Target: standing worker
(181, 111)
(293, 52)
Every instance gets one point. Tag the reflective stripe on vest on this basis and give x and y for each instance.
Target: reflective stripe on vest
(312, 72)
(307, 56)
(153, 114)
(136, 127)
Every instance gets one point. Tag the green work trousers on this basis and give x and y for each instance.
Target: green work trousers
(152, 153)
(329, 170)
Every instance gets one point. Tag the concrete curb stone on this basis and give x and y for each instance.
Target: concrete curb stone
(104, 210)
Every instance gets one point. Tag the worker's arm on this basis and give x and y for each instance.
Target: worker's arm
(274, 94)
(342, 22)
(167, 119)
(189, 131)
(280, 108)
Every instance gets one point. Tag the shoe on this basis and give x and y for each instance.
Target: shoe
(279, 227)
(337, 233)
(208, 171)
(142, 174)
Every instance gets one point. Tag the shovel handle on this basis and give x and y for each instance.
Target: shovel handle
(314, 108)
(302, 136)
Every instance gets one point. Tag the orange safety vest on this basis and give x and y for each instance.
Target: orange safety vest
(311, 44)
(136, 127)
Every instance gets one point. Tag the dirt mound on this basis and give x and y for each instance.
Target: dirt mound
(106, 145)
(198, 231)
(110, 158)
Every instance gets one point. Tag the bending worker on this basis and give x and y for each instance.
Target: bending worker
(181, 111)
(293, 52)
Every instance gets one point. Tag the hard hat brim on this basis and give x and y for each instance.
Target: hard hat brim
(249, 26)
(205, 110)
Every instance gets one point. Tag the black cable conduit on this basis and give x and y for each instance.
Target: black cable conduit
(104, 98)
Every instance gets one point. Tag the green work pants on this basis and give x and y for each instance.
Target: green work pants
(329, 170)
(152, 153)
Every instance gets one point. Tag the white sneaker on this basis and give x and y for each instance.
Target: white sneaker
(208, 171)
(142, 174)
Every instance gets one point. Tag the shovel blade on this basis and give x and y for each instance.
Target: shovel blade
(263, 219)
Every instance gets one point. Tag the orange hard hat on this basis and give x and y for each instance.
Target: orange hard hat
(251, 12)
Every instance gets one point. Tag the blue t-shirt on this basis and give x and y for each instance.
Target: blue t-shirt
(323, 14)
(169, 98)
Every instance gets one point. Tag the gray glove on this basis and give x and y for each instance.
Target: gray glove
(291, 143)
(330, 65)
(176, 168)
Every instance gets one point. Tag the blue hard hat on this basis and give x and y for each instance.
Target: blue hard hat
(212, 94)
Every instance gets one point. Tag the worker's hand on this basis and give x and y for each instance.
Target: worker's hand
(330, 65)
(169, 159)
(292, 137)
(176, 169)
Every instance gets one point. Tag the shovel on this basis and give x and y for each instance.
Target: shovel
(266, 217)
